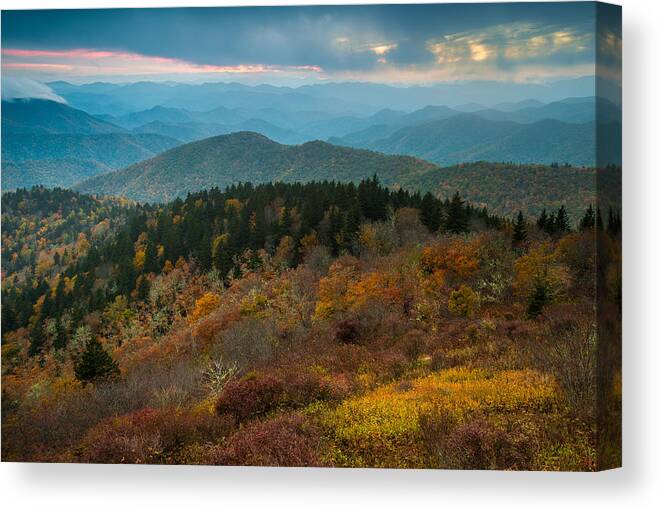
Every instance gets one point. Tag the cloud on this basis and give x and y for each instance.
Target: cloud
(510, 44)
(89, 62)
(359, 45)
(17, 88)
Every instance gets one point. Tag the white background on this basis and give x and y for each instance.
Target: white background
(636, 486)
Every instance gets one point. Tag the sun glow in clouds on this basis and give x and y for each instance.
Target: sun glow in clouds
(512, 42)
(84, 61)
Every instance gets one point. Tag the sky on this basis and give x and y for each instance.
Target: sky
(396, 44)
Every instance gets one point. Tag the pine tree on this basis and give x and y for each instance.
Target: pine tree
(614, 222)
(550, 225)
(456, 221)
(203, 252)
(520, 234)
(151, 258)
(588, 220)
(60, 340)
(37, 338)
(222, 255)
(543, 220)
(352, 224)
(284, 226)
(539, 299)
(561, 223)
(95, 364)
(430, 213)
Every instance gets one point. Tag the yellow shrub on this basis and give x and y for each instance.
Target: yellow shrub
(540, 264)
(204, 305)
(463, 301)
(254, 304)
(332, 291)
(381, 428)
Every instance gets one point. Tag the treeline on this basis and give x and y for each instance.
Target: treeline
(218, 230)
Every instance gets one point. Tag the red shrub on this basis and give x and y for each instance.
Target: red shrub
(148, 436)
(257, 394)
(282, 441)
(475, 445)
(251, 396)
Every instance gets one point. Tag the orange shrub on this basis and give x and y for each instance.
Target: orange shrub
(457, 259)
(204, 305)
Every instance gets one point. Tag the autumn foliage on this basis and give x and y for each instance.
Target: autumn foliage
(298, 334)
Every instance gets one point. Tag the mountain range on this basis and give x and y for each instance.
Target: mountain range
(242, 157)
(348, 98)
(246, 156)
(469, 137)
(50, 143)
(166, 151)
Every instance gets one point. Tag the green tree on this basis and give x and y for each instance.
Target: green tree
(37, 338)
(540, 298)
(151, 258)
(520, 234)
(588, 220)
(457, 220)
(561, 223)
(95, 363)
(60, 339)
(430, 213)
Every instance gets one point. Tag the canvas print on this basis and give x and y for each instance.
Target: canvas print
(377, 236)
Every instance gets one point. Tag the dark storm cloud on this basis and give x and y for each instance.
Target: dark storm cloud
(343, 39)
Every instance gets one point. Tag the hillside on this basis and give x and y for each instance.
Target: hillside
(323, 324)
(508, 188)
(246, 156)
(64, 172)
(42, 226)
(469, 137)
(220, 161)
(38, 116)
(64, 159)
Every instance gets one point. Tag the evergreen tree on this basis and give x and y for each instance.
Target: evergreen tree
(456, 221)
(614, 222)
(588, 220)
(561, 223)
(95, 364)
(60, 299)
(352, 224)
(543, 220)
(60, 340)
(222, 254)
(204, 252)
(430, 213)
(373, 199)
(285, 221)
(335, 230)
(539, 299)
(550, 225)
(520, 233)
(37, 338)
(151, 258)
